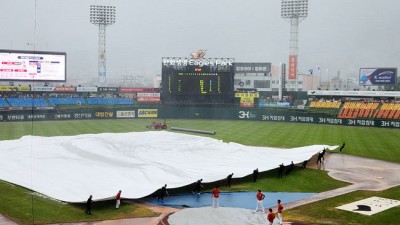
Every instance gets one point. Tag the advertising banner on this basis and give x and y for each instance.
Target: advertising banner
(148, 97)
(15, 88)
(86, 89)
(247, 99)
(23, 88)
(378, 76)
(64, 89)
(42, 89)
(108, 89)
(104, 114)
(292, 67)
(253, 68)
(134, 90)
(8, 88)
(126, 114)
(147, 113)
(274, 104)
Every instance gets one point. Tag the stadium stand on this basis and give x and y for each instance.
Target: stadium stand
(109, 101)
(331, 105)
(388, 111)
(352, 110)
(66, 101)
(27, 102)
(3, 103)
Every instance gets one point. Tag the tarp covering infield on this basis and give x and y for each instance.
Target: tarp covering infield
(70, 168)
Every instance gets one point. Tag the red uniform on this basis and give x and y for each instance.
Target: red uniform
(280, 208)
(271, 217)
(215, 193)
(260, 196)
(118, 199)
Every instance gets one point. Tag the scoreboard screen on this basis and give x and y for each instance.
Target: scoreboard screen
(32, 65)
(192, 78)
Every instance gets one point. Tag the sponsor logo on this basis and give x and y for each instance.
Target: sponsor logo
(246, 115)
(197, 62)
(82, 115)
(126, 114)
(104, 114)
(148, 113)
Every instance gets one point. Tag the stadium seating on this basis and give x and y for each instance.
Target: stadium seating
(110, 101)
(330, 105)
(3, 103)
(27, 102)
(66, 101)
(389, 111)
(352, 110)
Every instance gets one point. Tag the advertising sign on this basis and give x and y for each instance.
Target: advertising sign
(125, 114)
(274, 104)
(42, 89)
(64, 89)
(148, 97)
(147, 113)
(292, 67)
(253, 68)
(15, 88)
(247, 99)
(86, 89)
(134, 90)
(378, 76)
(108, 89)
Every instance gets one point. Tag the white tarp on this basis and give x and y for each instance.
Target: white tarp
(70, 168)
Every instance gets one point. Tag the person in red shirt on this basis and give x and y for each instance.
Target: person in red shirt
(118, 199)
(280, 208)
(270, 217)
(215, 196)
(260, 197)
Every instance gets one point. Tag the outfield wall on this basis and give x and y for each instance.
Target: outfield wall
(165, 112)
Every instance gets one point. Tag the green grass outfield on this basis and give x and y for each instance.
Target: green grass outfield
(375, 143)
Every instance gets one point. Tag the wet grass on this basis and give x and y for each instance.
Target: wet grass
(378, 143)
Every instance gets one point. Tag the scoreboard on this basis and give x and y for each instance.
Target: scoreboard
(197, 80)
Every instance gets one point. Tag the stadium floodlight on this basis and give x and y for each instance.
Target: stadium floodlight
(294, 11)
(102, 16)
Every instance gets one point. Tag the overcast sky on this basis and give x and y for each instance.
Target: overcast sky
(338, 35)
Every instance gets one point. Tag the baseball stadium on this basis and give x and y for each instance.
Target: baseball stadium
(214, 140)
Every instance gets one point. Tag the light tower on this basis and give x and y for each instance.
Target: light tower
(294, 11)
(102, 16)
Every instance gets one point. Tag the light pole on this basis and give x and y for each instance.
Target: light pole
(327, 74)
(102, 16)
(294, 11)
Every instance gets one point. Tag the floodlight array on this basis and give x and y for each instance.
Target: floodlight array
(102, 15)
(294, 8)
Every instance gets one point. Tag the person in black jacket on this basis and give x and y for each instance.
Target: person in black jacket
(342, 147)
(281, 166)
(228, 180)
(89, 205)
(197, 187)
(163, 193)
(255, 175)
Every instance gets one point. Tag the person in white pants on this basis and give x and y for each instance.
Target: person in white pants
(118, 199)
(215, 196)
(260, 205)
(280, 208)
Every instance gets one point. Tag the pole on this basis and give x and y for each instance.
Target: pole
(327, 74)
